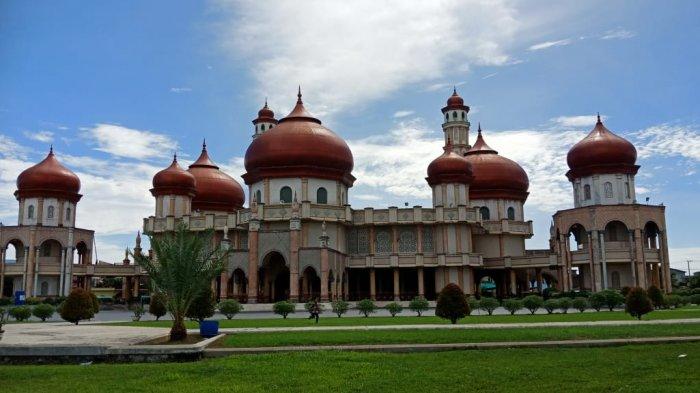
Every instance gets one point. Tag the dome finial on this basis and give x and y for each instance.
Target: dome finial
(265, 103)
(299, 96)
(454, 90)
(175, 156)
(599, 122)
(51, 149)
(204, 144)
(479, 130)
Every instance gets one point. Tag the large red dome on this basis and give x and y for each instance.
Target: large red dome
(601, 152)
(48, 179)
(299, 146)
(215, 190)
(495, 177)
(450, 167)
(173, 180)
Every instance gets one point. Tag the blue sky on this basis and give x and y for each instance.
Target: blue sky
(117, 86)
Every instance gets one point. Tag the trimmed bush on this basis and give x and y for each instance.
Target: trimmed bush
(533, 303)
(158, 305)
(283, 308)
(5, 301)
(95, 302)
(473, 304)
(638, 303)
(488, 304)
(394, 308)
(452, 304)
(580, 303)
(550, 305)
(513, 305)
(138, 312)
(20, 313)
(674, 301)
(418, 305)
(43, 311)
(597, 301)
(308, 306)
(203, 306)
(366, 307)
(230, 307)
(695, 299)
(32, 301)
(564, 304)
(78, 306)
(613, 298)
(656, 296)
(339, 307)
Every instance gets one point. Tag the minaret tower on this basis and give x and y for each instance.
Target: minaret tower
(456, 125)
(265, 121)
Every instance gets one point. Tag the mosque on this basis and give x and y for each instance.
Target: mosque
(299, 238)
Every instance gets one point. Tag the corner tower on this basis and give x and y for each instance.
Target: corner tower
(456, 124)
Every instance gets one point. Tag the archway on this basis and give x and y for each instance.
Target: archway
(274, 278)
(580, 238)
(651, 235)
(50, 251)
(238, 286)
(310, 284)
(82, 251)
(616, 232)
(488, 287)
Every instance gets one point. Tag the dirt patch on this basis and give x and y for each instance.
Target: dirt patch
(190, 339)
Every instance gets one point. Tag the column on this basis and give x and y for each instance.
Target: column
(665, 263)
(294, 265)
(538, 271)
(36, 271)
(372, 284)
(136, 286)
(3, 252)
(253, 266)
(324, 274)
(223, 288)
(397, 287)
(421, 283)
(639, 259)
(61, 278)
(595, 260)
(126, 284)
(468, 280)
(603, 261)
(513, 282)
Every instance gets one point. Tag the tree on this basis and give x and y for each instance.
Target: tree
(394, 308)
(366, 307)
(580, 303)
(283, 308)
(533, 303)
(513, 305)
(203, 306)
(488, 304)
(638, 303)
(597, 301)
(473, 303)
(184, 266)
(230, 308)
(43, 311)
(78, 306)
(550, 305)
(656, 296)
(452, 304)
(564, 304)
(613, 298)
(340, 307)
(95, 302)
(418, 305)
(21, 313)
(158, 305)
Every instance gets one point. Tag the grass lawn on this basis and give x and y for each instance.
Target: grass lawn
(353, 320)
(453, 336)
(637, 368)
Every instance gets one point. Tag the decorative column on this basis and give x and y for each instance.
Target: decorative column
(253, 228)
(639, 259)
(665, 263)
(294, 236)
(61, 277)
(137, 282)
(324, 263)
(595, 260)
(397, 286)
(603, 262)
(223, 287)
(3, 254)
(513, 282)
(421, 282)
(538, 272)
(36, 271)
(372, 284)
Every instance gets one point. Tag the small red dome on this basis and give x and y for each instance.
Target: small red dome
(455, 102)
(450, 167)
(495, 177)
(601, 152)
(48, 179)
(299, 147)
(173, 180)
(215, 190)
(265, 115)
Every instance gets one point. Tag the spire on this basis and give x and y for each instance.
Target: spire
(454, 90)
(599, 122)
(204, 144)
(299, 96)
(51, 149)
(138, 239)
(480, 146)
(479, 129)
(265, 103)
(175, 157)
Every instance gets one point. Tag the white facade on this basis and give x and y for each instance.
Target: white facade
(606, 189)
(450, 195)
(173, 205)
(270, 191)
(501, 209)
(456, 129)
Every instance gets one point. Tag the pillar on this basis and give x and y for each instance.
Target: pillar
(595, 259)
(372, 284)
(603, 261)
(421, 282)
(253, 266)
(3, 252)
(639, 259)
(223, 288)
(538, 271)
(397, 287)
(324, 274)
(61, 277)
(468, 280)
(665, 263)
(136, 281)
(126, 293)
(35, 279)
(294, 265)
(513, 282)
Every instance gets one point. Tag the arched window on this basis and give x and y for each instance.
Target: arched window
(627, 190)
(286, 195)
(46, 249)
(258, 196)
(463, 115)
(607, 187)
(485, 214)
(586, 192)
(262, 127)
(321, 195)
(44, 288)
(454, 115)
(50, 212)
(68, 214)
(30, 212)
(447, 117)
(511, 213)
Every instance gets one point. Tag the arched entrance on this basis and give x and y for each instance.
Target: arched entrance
(274, 278)
(238, 286)
(310, 284)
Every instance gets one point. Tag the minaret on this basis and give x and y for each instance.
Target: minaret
(456, 125)
(265, 121)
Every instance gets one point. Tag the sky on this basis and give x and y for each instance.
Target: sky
(118, 86)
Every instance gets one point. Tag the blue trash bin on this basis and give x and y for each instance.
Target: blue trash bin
(209, 329)
(20, 298)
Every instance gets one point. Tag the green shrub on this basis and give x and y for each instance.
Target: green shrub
(20, 313)
(77, 306)
(394, 308)
(513, 305)
(580, 303)
(452, 304)
(674, 301)
(43, 311)
(473, 303)
(638, 303)
(308, 306)
(656, 296)
(138, 312)
(625, 291)
(158, 306)
(597, 301)
(283, 308)
(32, 301)
(550, 305)
(95, 303)
(564, 304)
(339, 307)
(5, 301)
(488, 304)
(695, 299)
(533, 303)
(613, 298)
(203, 306)
(366, 307)
(418, 305)
(230, 307)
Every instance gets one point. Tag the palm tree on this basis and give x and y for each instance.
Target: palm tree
(185, 264)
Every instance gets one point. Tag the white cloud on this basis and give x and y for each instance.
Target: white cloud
(679, 258)
(669, 140)
(131, 143)
(41, 136)
(367, 197)
(180, 89)
(442, 86)
(491, 75)
(399, 114)
(618, 34)
(576, 121)
(344, 53)
(549, 44)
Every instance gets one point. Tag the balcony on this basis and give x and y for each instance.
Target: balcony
(523, 228)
